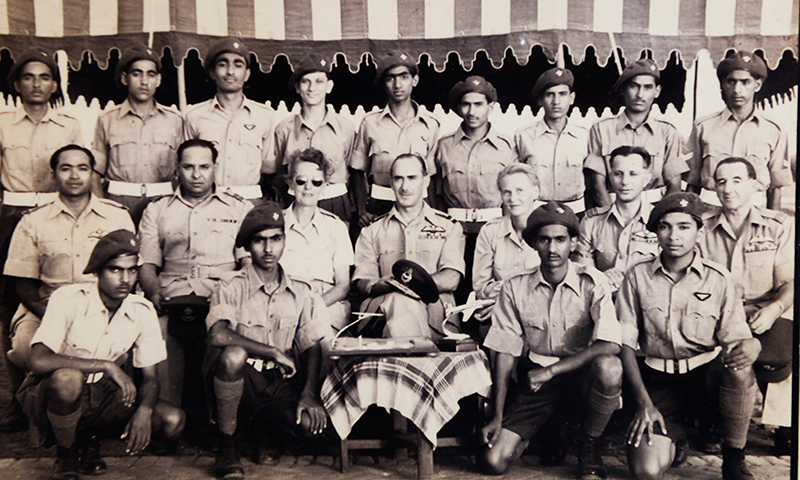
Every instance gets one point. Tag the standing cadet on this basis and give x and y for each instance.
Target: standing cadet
(685, 315)
(190, 237)
(414, 231)
(318, 126)
(28, 137)
(52, 243)
(557, 325)
(615, 237)
(401, 127)
(555, 148)
(78, 387)
(757, 244)
(468, 162)
(637, 126)
(740, 131)
(239, 128)
(135, 143)
(264, 354)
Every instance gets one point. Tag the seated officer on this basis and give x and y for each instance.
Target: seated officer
(681, 311)
(636, 125)
(414, 231)
(757, 244)
(261, 323)
(52, 243)
(136, 142)
(557, 324)
(615, 237)
(187, 247)
(77, 365)
(555, 148)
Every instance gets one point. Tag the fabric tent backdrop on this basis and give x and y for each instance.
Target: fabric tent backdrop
(435, 27)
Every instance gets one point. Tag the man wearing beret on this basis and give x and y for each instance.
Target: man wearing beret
(240, 129)
(557, 325)
(188, 245)
(757, 244)
(77, 376)
(318, 126)
(401, 127)
(29, 135)
(135, 143)
(555, 148)
(684, 313)
(414, 231)
(264, 353)
(52, 243)
(740, 131)
(639, 85)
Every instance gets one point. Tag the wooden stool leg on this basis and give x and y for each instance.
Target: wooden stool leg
(424, 457)
(400, 425)
(343, 456)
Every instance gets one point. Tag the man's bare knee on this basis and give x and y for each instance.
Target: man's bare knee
(66, 385)
(172, 420)
(496, 460)
(231, 362)
(649, 462)
(741, 378)
(607, 370)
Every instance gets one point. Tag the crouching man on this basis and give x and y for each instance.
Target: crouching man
(260, 324)
(79, 353)
(562, 317)
(684, 314)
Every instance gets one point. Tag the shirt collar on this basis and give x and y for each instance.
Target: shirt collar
(571, 279)
(541, 128)
(728, 115)
(718, 219)
(623, 120)
(696, 265)
(427, 213)
(58, 207)
(97, 307)
(245, 103)
(256, 284)
(125, 108)
(49, 116)
(290, 219)
(642, 215)
(178, 195)
(329, 119)
(417, 114)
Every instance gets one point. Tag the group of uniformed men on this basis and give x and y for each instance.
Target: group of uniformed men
(190, 207)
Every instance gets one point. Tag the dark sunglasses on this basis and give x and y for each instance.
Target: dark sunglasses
(299, 181)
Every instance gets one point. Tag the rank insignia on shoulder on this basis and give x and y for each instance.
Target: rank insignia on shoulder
(702, 296)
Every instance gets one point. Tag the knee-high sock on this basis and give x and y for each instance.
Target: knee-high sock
(228, 394)
(601, 407)
(736, 408)
(64, 427)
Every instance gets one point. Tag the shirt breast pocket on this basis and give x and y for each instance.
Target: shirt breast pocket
(221, 238)
(758, 272)
(759, 150)
(700, 321)
(534, 324)
(380, 159)
(284, 334)
(251, 143)
(455, 177)
(123, 148)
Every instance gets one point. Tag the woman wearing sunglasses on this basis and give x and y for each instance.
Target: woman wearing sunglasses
(318, 248)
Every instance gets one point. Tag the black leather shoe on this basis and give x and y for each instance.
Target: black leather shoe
(734, 466)
(782, 441)
(590, 463)
(227, 464)
(681, 453)
(91, 463)
(66, 467)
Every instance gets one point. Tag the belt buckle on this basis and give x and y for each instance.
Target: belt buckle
(472, 215)
(144, 189)
(195, 271)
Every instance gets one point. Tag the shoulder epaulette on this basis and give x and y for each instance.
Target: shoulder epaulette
(506, 138)
(445, 215)
(65, 114)
(172, 109)
(234, 195)
(37, 208)
(716, 266)
(596, 211)
(707, 117)
(779, 216)
(112, 203)
(327, 213)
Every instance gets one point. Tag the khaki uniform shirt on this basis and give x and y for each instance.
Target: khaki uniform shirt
(382, 138)
(129, 148)
(469, 170)
(80, 327)
(659, 137)
(244, 139)
(52, 245)
(609, 244)
(334, 137)
(291, 315)
(185, 239)
(500, 255)
(557, 158)
(677, 320)
(761, 259)
(558, 322)
(27, 147)
(759, 139)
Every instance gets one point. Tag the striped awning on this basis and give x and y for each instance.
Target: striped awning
(435, 27)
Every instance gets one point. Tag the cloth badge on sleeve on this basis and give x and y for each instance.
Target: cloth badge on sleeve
(702, 296)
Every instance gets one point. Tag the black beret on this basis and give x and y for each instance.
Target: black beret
(551, 78)
(643, 66)
(393, 59)
(113, 245)
(476, 84)
(313, 62)
(683, 202)
(132, 54)
(742, 61)
(226, 45)
(552, 213)
(413, 280)
(32, 55)
(268, 215)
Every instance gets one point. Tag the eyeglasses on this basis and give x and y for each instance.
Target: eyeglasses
(300, 181)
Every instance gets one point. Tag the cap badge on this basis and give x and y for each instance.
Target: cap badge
(275, 216)
(559, 73)
(407, 275)
(560, 210)
(652, 68)
(322, 62)
(235, 44)
(684, 203)
(403, 56)
(133, 242)
(746, 58)
(476, 82)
